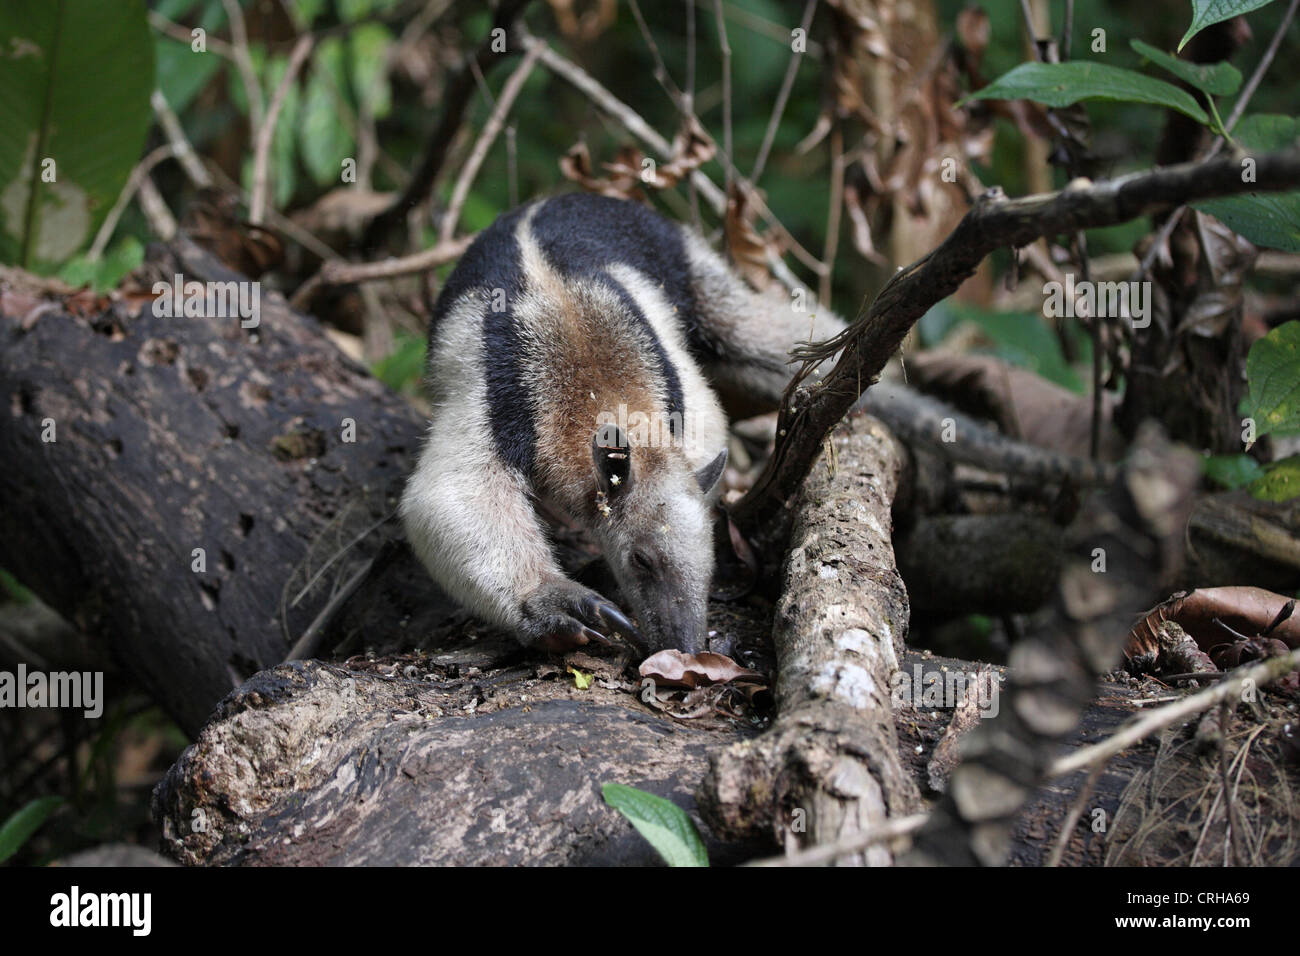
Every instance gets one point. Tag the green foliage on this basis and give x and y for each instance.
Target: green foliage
(1279, 482)
(1232, 471)
(19, 828)
(666, 826)
(1266, 219)
(1273, 376)
(12, 589)
(1208, 12)
(1216, 79)
(1021, 338)
(401, 370)
(108, 271)
(76, 78)
(1064, 84)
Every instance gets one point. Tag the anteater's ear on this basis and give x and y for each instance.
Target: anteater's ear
(708, 475)
(612, 456)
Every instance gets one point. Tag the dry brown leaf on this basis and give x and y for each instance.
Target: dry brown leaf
(1246, 610)
(675, 669)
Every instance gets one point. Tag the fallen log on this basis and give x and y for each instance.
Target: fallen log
(171, 484)
(829, 766)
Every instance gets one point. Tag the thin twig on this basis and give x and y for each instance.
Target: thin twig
(340, 272)
(142, 169)
(1072, 818)
(469, 171)
(244, 64)
(172, 129)
(1139, 730)
(184, 34)
(1247, 91)
(155, 209)
(845, 846)
(724, 48)
(832, 216)
(787, 84)
(266, 132)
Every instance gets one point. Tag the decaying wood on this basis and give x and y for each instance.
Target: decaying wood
(829, 766)
(979, 564)
(1236, 538)
(320, 764)
(177, 434)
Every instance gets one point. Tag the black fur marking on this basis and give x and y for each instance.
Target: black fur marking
(580, 234)
(492, 262)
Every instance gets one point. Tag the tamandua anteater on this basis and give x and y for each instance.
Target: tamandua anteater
(574, 354)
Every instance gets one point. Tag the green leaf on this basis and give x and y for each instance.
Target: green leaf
(1266, 219)
(368, 45)
(106, 273)
(323, 141)
(18, 828)
(581, 679)
(664, 824)
(1232, 471)
(1217, 79)
(1064, 84)
(1208, 12)
(75, 79)
(1273, 376)
(1280, 481)
(402, 367)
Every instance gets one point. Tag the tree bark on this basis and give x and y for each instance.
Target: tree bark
(133, 441)
(829, 767)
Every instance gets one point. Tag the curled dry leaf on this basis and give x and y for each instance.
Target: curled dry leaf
(748, 249)
(675, 669)
(1246, 610)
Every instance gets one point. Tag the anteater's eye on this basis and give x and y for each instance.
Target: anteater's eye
(641, 562)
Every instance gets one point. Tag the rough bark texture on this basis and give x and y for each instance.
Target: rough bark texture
(175, 434)
(829, 766)
(317, 764)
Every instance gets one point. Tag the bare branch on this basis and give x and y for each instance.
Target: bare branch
(266, 133)
(341, 272)
(185, 155)
(244, 64)
(810, 411)
(142, 169)
(484, 142)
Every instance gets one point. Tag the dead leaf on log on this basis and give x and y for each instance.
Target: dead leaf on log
(675, 669)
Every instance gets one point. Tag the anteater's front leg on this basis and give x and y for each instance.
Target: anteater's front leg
(473, 525)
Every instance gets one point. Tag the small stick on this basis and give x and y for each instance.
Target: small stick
(266, 132)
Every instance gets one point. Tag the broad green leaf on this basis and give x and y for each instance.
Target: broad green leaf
(581, 679)
(1064, 84)
(1217, 79)
(18, 828)
(1266, 219)
(1021, 338)
(367, 47)
(664, 824)
(1208, 12)
(75, 79)
(323, 141)
(1273, 376)
(1280, 481)
(1232, 471)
